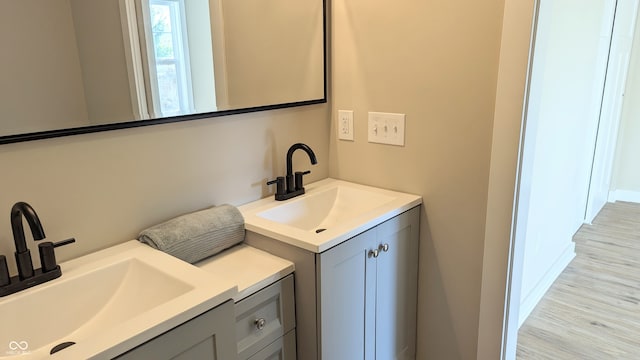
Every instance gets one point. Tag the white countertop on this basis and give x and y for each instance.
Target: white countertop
(249, 268)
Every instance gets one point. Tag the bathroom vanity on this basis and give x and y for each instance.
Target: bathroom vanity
(355, 250)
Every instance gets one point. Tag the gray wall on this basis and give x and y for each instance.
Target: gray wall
(272, 67)
(100, 47)
(43, 67)
(436, 62)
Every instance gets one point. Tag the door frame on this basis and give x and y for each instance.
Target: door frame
(611, 106)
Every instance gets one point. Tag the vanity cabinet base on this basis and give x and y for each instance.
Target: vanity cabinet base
(358, 299)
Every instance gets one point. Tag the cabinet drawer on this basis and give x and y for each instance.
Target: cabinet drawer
(264, 317)
(282, 349)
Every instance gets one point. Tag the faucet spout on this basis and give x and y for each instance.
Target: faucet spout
(23, 255)
(292, 149)
(19, 210)
(293, 184)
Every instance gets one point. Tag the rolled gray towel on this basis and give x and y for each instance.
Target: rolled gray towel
(193, 237)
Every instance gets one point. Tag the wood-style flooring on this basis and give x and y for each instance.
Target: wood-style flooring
(592, 311)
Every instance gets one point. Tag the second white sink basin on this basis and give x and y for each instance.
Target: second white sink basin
(330, 212)
(321, 210)
(105, 303)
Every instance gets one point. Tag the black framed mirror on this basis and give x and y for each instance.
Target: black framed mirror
(79, 66)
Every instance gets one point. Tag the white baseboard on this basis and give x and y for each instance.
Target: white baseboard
(624, 195)
(529, 301)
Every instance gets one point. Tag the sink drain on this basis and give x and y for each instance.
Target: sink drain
(61, 346)
(320, 230)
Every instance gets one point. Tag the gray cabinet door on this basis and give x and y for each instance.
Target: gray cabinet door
(344, 291)
(396, 287)
(210, 336)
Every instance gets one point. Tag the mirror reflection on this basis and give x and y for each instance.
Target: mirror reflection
(76, 63)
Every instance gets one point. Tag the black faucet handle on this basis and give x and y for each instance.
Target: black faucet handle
(5, 279)
(64, 242)
(48, 255)
(280, 185)
(298, 179)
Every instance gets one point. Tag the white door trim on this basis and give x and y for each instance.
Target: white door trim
(624, 22)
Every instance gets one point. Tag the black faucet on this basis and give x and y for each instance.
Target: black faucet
(291, 185)
(27, 276)
(23, 254)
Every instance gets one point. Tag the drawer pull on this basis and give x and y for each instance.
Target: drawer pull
(260, 323)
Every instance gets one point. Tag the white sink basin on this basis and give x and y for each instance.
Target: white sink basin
(326, 208)
(106, 303)
(330, 212)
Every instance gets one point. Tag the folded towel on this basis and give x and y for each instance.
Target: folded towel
(193, 237)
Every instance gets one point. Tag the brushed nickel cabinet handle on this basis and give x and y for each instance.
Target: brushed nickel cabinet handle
(260, 323)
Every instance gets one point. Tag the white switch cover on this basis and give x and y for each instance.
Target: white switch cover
(386, 128)
(345, 125)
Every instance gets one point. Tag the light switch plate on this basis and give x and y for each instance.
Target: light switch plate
(386, 128)
(345, 125)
